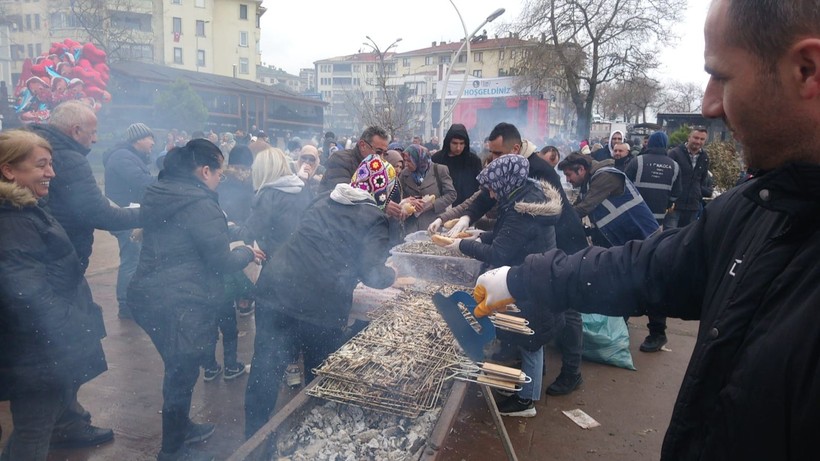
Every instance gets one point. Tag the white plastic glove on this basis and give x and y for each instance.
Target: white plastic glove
(454, 246)
(491, 292)
(462, 225)
(474, 234)
(434, 226)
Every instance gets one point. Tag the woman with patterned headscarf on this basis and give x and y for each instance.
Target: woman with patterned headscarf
(527, 213)
(303, 301)
(426, 187)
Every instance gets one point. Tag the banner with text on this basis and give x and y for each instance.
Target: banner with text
(501, 87)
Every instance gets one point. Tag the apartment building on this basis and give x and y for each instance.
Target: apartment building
(418, 75)
(213, 36)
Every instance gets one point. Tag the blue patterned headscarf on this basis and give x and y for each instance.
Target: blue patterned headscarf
(421, 159)
(504, 175)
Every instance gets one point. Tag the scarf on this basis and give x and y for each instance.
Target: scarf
(376, 177)
(290, 184)
(421, 159)
(504, 175)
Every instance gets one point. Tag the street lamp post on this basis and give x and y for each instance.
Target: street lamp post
(382, 79)
(466, 42)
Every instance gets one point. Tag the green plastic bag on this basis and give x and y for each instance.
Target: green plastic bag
(606, 340)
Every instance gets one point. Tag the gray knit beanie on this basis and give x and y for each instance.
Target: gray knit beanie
(137, 131)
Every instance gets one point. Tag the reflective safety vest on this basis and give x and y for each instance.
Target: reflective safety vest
(625, 217)
(654, 179)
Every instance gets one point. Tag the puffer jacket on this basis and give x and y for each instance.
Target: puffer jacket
(335, 246)
(275, 215)
(126, 175)
(74, 198)
(185, 253)
(525, 225)
(747, 269)
(49, 338)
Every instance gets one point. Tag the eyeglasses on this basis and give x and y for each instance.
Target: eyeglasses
(377, 151)
(308, 159)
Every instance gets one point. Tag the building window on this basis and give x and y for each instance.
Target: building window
(405, 62)
(200, 58)
(200, 28)
(428, 60)
(177, 22)
(177, 55)
(31, 50)
(462, 58)
(38, 48)
(357, 68)
(243, 38)
(244, 68)
(37, 21)
(199, 3)
(477, 73)
(500, 55)
(478, 56)
(28, 22)
(176, 2)
(512, 54)
(243, 12)
(444, 59)
(370, 68)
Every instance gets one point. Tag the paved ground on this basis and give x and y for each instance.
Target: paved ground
(633, 407)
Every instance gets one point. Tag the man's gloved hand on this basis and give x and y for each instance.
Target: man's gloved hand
(454, 246)
(434, 226)
(474, 234)
(491, 292)
(462, 225)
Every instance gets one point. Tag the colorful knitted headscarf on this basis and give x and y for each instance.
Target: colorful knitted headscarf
(504, 175)
(421, 158)
(375, 177)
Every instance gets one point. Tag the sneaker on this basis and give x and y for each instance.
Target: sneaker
(233, 372)
(198, 432)
(80, 434)
(211, 373)
(184, 454)
(565, 383)
(653, 343)
(514, 406)
(503, 394)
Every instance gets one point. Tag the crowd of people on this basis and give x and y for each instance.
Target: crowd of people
(232, 225)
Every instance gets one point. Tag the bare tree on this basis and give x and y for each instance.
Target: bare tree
(593, 42)
(685, 97)
(113, 25)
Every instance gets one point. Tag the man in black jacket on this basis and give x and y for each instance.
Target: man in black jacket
(126, 177)
(694, 178)
(79, 206)
(747, 269)
(463, 164)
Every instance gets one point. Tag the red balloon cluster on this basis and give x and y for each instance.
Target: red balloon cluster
(68, 71)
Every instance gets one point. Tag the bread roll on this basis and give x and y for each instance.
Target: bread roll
(449, 224)
(464, 235)
(441, 240)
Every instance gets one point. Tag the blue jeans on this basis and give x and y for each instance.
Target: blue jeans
(129, 258)
(532, 363)
(34, 417)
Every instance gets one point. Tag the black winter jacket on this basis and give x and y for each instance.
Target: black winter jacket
(694, 181)
(316, 270)
(236, 194)
(569, 232)
(185, 254)
(275, 215)
(49, 326)
(463, 168)
(747, 269)
(126, 175)
(525, 226)
(74, 198)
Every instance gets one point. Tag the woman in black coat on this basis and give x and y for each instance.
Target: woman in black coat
(178, 286)
(304, 296)
(49, 340)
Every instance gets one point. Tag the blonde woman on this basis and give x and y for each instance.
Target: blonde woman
(47, 348)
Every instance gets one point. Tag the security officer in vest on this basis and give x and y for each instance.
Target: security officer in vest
(656, 176)
(619, 212)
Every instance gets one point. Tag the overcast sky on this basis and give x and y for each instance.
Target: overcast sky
(296, 33)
